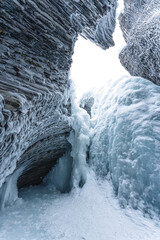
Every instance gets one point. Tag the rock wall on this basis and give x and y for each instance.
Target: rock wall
(36, 45)
(140, 23)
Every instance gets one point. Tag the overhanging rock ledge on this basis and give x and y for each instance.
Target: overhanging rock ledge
(36, 45)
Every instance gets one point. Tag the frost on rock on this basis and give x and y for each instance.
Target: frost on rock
(95, 20)
(36, 43)
(87, 101)
(126, 142)
(140, 23)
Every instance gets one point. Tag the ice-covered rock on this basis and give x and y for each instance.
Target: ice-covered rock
(36, 45)
(140, 23)
(71, 170)
(125, 141)
(87, 101)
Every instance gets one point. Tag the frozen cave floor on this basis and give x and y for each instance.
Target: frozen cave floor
(90, 213)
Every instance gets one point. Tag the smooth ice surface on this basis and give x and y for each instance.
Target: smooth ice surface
(90, 213)
(126, 141)
(60, 175)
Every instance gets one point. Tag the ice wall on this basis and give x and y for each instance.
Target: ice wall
(125, 141)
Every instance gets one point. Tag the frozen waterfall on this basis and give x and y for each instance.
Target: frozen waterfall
(71, 170)
(125, 140)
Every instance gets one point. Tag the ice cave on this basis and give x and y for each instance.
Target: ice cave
(79, 120)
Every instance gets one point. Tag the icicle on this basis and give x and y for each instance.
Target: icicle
(9, 191)
(60, 175)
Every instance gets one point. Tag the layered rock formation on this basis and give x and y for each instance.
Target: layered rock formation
(36, 46)
(140, 24)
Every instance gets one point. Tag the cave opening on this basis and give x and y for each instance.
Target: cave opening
(92, 66)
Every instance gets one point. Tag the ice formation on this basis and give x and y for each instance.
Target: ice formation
(125, 140)
(79, 139)
(60, 175)
(71, 170)
(9, 190)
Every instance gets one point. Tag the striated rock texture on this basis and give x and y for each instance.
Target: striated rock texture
(140, 24)
(36, 46)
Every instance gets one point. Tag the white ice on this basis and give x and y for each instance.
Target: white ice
(79, 139)
(126, 142)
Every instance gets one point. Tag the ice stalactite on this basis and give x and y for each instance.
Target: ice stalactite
(79, 139)
(60, 175)
(9, 190)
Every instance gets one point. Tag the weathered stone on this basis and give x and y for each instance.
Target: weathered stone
(36, 45)
(140, 24)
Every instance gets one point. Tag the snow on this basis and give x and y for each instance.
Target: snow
(89, 213)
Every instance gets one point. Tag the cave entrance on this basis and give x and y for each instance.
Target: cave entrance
(92, 67)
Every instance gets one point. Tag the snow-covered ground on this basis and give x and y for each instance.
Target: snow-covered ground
(90, 213)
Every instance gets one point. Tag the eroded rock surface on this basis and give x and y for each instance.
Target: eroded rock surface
(140, 24)
(36, 46)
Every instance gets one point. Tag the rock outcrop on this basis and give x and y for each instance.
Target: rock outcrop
(140, 23)
(36, 45)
